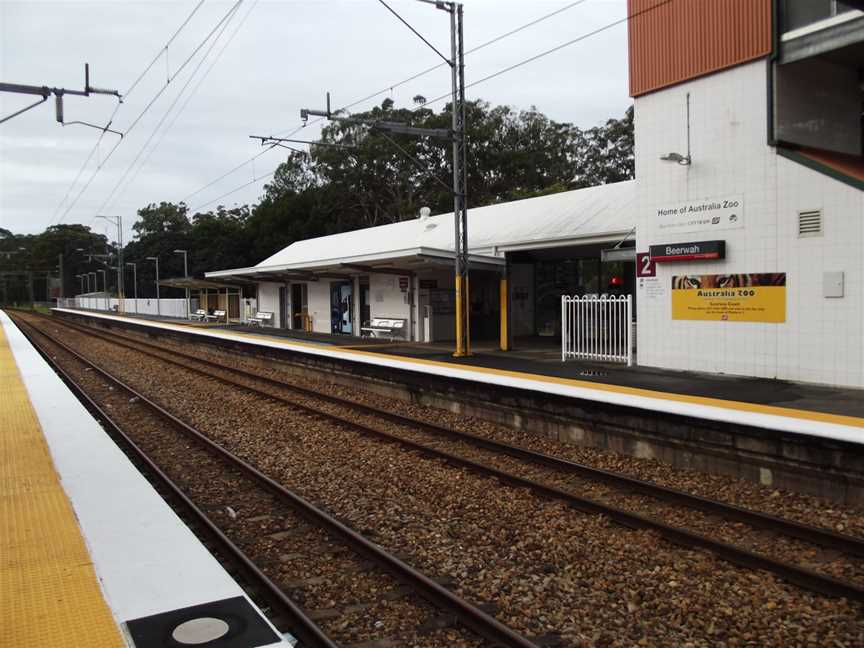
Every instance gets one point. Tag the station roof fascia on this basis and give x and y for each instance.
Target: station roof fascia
(193, 283)
(587, 216)
(393, 262)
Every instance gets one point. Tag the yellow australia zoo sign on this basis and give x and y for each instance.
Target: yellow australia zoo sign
(731, 297)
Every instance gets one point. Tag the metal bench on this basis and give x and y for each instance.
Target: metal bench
(261, 318)
(199, 315)
(217, 316)
(388, 328)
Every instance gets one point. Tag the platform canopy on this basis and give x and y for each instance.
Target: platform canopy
(585, 216)
(200, 284)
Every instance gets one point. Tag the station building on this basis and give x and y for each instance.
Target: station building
(740, 239)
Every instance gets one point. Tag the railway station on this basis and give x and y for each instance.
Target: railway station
(655, 437)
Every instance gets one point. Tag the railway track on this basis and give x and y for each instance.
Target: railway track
(482, 457)
(341, 589)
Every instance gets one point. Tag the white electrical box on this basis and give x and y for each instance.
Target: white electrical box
(832, 284)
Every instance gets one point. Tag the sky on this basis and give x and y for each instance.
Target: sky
(265, 61)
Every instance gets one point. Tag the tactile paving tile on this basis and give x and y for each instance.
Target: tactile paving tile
(49, 592)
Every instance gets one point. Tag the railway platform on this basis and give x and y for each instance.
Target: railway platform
(832, 412)
(90, 554)
(804, 438)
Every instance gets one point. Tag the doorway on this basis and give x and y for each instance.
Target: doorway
(365, 309)
(283, 307)
(341, 315)
(299, 307)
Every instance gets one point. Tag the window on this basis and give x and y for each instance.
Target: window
(800, 13)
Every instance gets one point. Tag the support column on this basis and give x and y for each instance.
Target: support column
(418, 316)
(504, 307)
(355, 306)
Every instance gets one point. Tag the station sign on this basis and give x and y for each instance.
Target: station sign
(618, 254)
(695, 251)
(709, 214)
(645, 265)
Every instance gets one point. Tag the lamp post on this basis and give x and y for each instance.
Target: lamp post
(134, 283)
(158, 308)
(118, 221)
(105, 287)
(185, 275)
(80, 277)
(95, 283)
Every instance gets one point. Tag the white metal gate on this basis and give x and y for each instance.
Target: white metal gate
(597, 328)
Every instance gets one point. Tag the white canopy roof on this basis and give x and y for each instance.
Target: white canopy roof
(596, 214)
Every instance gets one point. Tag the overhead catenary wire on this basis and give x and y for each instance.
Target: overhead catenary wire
(148, 106)
(509, 68)
(552, 50)
(416, 33)
(194, 91)
(166, 114)
(126, 95)
(234, 190)
(390, 87)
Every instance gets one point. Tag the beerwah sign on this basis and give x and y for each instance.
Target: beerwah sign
(757, 297)
(696, 251)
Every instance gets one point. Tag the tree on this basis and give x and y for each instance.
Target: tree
(607, 153)
(365, 178)
(166, 218)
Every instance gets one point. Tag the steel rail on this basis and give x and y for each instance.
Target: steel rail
(800, 576)
(468, 614)
(301, 625)
(813, 534)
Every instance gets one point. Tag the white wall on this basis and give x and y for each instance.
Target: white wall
(318, 304)
(268, 300)
(167, 307)
(822, 339)
(386, 299)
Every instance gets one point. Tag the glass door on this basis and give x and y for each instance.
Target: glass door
(341, 311)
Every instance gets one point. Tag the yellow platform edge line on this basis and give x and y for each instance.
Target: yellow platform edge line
(740, 406)
(49, 591)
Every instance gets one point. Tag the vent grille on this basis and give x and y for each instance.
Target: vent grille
(810, 223)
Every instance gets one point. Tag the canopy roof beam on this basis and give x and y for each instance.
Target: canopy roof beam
(374, 270)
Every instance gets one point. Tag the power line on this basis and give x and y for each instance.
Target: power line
(117, 107)
(416, 33)
(227, 173)
(148, 106)
(195, 90)
(170, 108)
(388, 89)
(235, 190)
(482, 80)
(552, 50)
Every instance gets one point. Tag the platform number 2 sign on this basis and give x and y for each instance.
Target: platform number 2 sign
(645, 267)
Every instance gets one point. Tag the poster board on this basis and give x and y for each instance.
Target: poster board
(759, 297)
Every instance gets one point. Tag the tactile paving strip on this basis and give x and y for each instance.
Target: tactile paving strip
(49, 592)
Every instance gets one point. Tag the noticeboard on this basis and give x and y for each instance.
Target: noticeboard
(733, 297)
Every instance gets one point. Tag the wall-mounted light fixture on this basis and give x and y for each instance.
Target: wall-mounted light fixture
(683, 160)
(676, 157)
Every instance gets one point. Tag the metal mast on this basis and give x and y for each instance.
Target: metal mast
(460, 182)
(456, 135)
(121, 287)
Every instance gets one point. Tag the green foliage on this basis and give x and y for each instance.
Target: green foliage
(82, 250)
(363, 178)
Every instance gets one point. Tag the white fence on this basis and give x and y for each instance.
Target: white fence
(167, 307)
(597, 328)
